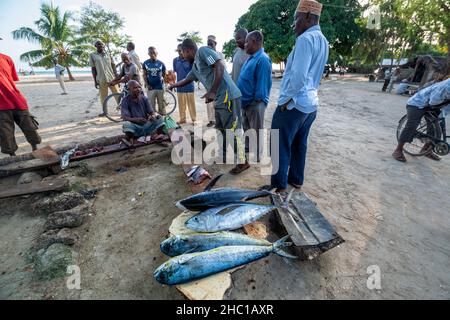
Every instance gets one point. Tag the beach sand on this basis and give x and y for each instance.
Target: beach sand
(393, 216)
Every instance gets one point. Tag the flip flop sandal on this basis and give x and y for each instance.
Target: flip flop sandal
(400, 158)
(237, 170)
(433, 156)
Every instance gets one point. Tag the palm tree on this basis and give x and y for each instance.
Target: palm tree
(57, 39)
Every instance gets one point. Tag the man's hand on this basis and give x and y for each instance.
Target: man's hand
(171, 87)
(97, 85)
(209, 96)
(141, 121)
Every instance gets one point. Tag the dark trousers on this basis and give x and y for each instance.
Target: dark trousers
(228, 116)
(414, 116)
(294, 127)
(385, 85)
(253, 118)
(8, 119)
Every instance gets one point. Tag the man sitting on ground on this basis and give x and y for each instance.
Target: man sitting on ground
(129, 72)
(140, 118)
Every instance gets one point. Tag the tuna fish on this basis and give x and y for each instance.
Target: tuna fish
(211, 198)
(188, 267)
(228, 217)
(197, 242)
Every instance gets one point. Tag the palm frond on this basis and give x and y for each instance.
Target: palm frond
(28, 34)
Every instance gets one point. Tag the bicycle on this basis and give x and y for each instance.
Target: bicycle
(113, 102)
(431, 132)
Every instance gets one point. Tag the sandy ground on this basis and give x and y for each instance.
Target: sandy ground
(392, 215)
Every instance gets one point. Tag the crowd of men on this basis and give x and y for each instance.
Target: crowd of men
(236, 100)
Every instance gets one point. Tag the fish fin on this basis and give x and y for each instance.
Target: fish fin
(280, 244)
(191, 250)
(258, 194)
(180, 206)
(212, 183)
(185, 259)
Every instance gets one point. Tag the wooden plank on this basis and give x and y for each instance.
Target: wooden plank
(311, 233)
(26, 166)
(323, 231)
(36, 187)
(39, 164)
(300, 234)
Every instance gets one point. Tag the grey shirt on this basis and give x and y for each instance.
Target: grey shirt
(203, 71)
(131, 71)
(239, 58)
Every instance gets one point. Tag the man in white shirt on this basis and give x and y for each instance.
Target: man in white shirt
(135, 59)
(59, 73)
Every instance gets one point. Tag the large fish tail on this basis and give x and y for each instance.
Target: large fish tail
(283, 244)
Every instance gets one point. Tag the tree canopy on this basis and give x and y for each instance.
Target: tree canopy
(100, 24)
(275, 18)
(58, 40)
(194, 35)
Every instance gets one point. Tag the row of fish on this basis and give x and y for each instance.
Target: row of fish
(224, 251)
(211, 251)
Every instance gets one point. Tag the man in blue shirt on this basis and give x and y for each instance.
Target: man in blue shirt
(185, 94)
(297, 105)
(255, 83)
(154, 73)
(434, 97)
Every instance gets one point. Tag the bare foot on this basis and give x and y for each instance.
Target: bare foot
(433, 156)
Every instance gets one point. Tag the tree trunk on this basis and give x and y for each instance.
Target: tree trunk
(71, 78)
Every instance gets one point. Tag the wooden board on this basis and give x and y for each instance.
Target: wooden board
(310, 232)
(39, 164)
(36, 187)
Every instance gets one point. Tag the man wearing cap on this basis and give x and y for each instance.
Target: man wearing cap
(14, 110)
(102, 71)
(212, 43)
(298, 101)
(221, 90)
(186, 98)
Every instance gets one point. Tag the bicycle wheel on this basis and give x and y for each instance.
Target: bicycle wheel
(170, 102)
(111, 107)
(426, 133)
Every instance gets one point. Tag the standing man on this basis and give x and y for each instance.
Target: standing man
(255, 83)
(59, 72)
(154, 73)
(212, 43)
(14, 110)
(240, 56)
(297, 105)
(185, 94)
(135, 58)
(103, 72)
(221, 90)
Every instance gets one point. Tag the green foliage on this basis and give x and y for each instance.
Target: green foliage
(58, 40)
(194, 35)
(228, 49)
(408, 28)
(100, 24)
(275, 18)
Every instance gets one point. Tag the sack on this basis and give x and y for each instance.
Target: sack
(169, 123)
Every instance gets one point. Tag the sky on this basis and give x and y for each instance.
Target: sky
(148, 22)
